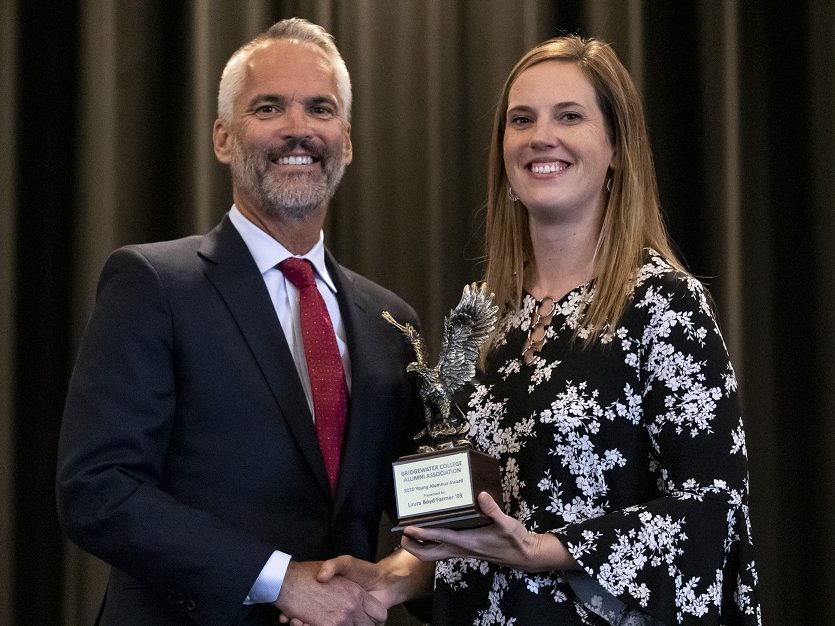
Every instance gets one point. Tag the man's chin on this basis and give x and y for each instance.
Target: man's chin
(297, 206)
(301, 178)
(297, 195)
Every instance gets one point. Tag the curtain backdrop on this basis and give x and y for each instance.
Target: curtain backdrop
(106, 109)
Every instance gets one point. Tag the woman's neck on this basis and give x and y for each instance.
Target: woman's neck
(563, 257)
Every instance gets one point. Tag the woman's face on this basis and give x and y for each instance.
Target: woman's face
(556, 149)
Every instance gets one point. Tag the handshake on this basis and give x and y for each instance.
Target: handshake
(346, 590)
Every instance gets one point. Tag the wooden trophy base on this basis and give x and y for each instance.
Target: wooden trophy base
(440, 488)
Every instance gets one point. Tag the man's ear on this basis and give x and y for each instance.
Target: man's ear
(222, 141)
(347, 148)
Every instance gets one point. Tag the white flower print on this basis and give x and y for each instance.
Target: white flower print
(618, 449)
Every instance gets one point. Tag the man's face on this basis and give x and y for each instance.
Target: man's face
(288, 142)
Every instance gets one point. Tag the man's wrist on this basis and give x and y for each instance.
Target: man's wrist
(268, 585)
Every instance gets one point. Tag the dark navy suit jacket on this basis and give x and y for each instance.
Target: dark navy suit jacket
(188, 452)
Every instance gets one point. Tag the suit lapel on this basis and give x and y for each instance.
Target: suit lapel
(232, 271)
(355, 311)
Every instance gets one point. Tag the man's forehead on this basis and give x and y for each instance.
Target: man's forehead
(289, 69)
(290, 57)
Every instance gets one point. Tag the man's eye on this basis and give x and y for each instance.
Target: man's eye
(266, 109)
(322, 111)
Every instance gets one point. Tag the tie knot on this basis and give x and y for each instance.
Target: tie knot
(298, 271)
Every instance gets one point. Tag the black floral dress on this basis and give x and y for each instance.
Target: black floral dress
(632, 452)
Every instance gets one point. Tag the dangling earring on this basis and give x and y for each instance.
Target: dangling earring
(510, 194)
(609, 183)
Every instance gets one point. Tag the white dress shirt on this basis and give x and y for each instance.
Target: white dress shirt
(268, 253)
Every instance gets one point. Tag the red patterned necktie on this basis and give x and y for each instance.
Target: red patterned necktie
(324, 365)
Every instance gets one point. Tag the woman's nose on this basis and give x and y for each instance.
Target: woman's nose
(544, 134)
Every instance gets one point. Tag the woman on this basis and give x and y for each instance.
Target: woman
(606, 392)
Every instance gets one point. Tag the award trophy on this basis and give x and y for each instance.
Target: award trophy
(438, 486)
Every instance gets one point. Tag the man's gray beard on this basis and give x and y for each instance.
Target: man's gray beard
(294, 196)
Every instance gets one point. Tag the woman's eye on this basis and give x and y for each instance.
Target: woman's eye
(518, 120)
(571, 117)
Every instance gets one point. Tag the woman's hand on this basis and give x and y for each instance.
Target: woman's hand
(393, 580)
(369, 576)
(504, 542)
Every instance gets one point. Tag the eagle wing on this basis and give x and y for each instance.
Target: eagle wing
(411, 333)
(465, 328)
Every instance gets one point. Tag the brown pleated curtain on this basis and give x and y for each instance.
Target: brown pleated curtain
(106, 108)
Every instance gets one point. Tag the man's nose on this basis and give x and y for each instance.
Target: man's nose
(296, 123)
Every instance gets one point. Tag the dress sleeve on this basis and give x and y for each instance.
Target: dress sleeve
(686, 556)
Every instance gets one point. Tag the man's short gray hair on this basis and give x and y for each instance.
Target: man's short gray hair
(231, 80)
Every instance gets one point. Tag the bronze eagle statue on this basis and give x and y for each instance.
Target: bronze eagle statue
(465, 329)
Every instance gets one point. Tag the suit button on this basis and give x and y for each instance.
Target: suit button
(191, 605)
(181, 598)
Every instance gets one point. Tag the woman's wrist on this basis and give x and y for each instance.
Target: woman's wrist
(547, 553)
(405, 577)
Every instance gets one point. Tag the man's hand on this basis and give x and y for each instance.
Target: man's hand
(335, 602)
(369, 576)
(393, 580)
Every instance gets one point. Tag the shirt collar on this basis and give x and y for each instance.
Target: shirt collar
(268, 252)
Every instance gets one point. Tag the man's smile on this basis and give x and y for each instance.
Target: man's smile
(295, 160)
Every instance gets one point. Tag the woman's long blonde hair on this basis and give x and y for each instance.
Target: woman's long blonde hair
(632, 219)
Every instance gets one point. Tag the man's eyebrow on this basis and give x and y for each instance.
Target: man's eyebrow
(271, 98)
(266, 98)
(323, 100)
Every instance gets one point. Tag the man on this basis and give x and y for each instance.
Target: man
(206, 450)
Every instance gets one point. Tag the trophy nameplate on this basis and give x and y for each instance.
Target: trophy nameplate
(440, 488)
(439, 485)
